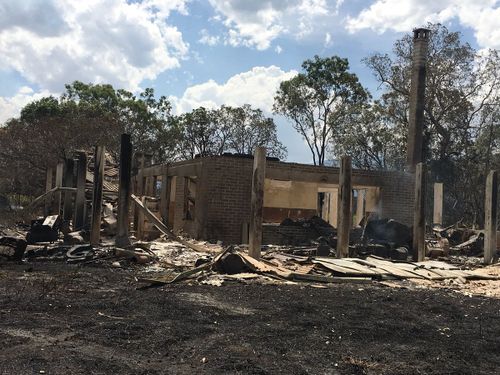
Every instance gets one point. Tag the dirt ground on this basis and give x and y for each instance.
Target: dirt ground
(66, 319)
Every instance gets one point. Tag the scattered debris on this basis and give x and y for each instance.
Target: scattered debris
(44, 230)
(12, 248)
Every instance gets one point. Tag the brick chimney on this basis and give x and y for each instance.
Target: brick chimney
(417, 98)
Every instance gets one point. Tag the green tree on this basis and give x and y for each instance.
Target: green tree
(320, 101)
(372, 139)
(199, 134)
(51, 129)
(244, 128)
(227, 129)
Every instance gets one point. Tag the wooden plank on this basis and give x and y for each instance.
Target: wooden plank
(419, 214)
(490, 217)
(162, 228)
(437, 216)
(125, 177)
(257, 203)
(344, 207)
(95, 225)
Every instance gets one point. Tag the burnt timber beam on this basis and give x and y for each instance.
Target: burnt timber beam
(81, 179)
(95, 225)
(257, 202)
(124, 190)
(490, 217)
(344, 217)
(419, 214)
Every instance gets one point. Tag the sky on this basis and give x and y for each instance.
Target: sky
(210, 52)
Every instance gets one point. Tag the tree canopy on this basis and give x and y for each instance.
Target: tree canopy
(461, 136)
(52, 129)
(320, 101)
(239, 130)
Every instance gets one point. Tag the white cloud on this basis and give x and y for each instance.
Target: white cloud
(403, 15)
(278, 49)
(256, 87)
(11, 106)
(54, 42)
(206, 38)
(258, 23)
(328, 40)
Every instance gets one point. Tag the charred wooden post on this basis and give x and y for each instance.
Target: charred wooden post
(58, 184)
(257, 202)
(419, 215)
(166, 184)
(81, 179)
(69, 166)
(122, 237)
(48, 186)
(344, 217)
(417, 98)
(490, 217)
(149, 186)
(139, 188)
(437, 216)
(95, 225)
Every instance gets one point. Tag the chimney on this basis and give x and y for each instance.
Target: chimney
(417, 98)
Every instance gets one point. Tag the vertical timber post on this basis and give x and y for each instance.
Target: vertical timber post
(139, 191)
(69, 165)
(419, 214)
(417, 98)
(122, 237)
(490, 217)
(81, 179)
(257, 202)
(95, 224)
(437, 216)
(166, 184)
(344, 217)
(48, 186)
(58, 183)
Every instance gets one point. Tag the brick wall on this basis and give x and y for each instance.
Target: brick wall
(224, 191)
(227, 185)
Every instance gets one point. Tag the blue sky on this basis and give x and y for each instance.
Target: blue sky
(209, 52)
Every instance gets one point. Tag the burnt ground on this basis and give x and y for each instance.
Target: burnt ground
(63, 319)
